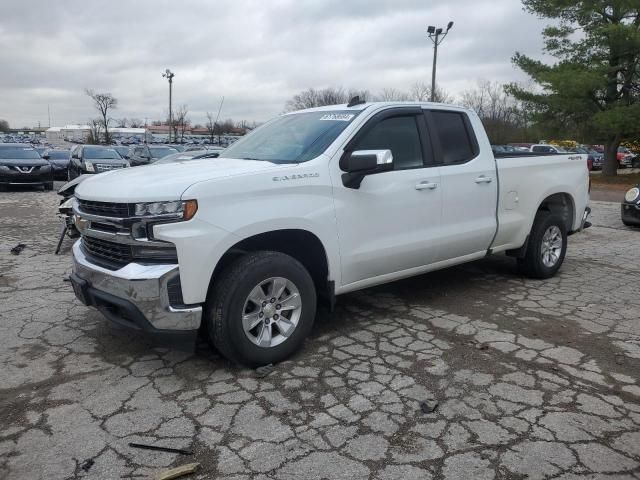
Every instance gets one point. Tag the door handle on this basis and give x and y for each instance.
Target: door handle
(483, 179)
(426, 185)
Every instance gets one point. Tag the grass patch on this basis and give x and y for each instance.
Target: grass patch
(617, 182)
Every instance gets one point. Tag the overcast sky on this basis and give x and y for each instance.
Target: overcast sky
(255, 53)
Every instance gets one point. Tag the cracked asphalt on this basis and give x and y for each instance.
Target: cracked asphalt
(532, 379)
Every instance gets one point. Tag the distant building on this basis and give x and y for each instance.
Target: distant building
(80, 133)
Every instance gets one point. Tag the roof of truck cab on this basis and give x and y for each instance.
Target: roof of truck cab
(364, 106)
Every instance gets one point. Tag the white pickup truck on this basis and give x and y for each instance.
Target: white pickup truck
(314, 204)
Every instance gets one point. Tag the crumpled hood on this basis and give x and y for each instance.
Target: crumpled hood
(165, 181)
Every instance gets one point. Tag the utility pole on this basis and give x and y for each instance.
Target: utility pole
(49, 114)
(217, 117)
(168, 74)
(436, 35)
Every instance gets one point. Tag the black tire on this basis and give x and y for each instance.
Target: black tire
(635, 163)
(226, 302)
(48, 186)
(532, 265)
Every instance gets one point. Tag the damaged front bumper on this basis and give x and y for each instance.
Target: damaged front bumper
(140, 297)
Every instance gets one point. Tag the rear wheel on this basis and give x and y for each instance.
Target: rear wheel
(546, 247)
(48, 186)
(261, 308)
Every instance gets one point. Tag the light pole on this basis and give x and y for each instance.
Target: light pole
(169, 76)
(436, 35)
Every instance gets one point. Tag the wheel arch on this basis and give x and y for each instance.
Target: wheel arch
(561, 204)
(301, 244)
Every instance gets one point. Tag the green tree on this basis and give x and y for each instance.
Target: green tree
(595, 85)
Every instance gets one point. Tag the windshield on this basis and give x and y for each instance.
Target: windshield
(159, 152)
(93, 153)
(18, 153)
(58, 154)
(292, 138)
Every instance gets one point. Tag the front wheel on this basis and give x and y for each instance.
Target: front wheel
(48, 186)
(546, 247)
(261, 308)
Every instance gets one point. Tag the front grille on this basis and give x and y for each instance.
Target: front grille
(104, 209)
(105, 167)
(107, 254)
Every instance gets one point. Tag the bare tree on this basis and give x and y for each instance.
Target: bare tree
(181, 122)
(392, 95)
(210, 126)
(136, 123)
(95, 131)
(103, 103)
(421, 92)
(503, 117)
(4, 125)
(122, 122)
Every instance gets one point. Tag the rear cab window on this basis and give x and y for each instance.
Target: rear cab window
(453, 137)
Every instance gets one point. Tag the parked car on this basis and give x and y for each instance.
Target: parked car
(594, 158)
(314, 204)
(544, 148)
(59, 160)
(185, 156)
(145, 154)
(20, 164)
(630, 208)
(122, 150)
(94, 159)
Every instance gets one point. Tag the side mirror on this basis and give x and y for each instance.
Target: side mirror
(46, 157)
(360, 163)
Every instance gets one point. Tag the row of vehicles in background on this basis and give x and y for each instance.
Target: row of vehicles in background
(595, 153)
(26, 164)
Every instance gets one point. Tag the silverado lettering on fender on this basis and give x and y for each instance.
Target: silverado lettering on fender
(382, 191)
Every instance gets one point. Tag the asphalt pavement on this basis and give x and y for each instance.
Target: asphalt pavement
(468, 373)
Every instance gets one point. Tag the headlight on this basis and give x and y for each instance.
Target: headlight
(68, 203)
(184, 209)
(89, 167)
(632, 195)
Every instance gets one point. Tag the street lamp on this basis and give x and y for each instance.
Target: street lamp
(436, 35)
(168, 74)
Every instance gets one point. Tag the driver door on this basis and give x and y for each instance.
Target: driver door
(389, 225)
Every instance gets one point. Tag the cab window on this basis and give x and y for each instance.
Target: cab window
(398, 134)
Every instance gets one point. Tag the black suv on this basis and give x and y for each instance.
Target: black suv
(20, 164)
(145, 154)
(93, 159)
(59, 160)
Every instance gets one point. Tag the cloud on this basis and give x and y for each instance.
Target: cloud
(257, 54)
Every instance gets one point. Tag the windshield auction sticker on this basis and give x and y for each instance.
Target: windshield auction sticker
(341, 117)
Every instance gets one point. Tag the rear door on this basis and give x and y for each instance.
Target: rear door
(469, 185)
(390, 223)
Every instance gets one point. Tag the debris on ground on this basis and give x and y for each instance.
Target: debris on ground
(265, 370)
(161, 449)
(87, 464)
(428, 406)
(18, 248)
(178, 471)
(482, 346)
